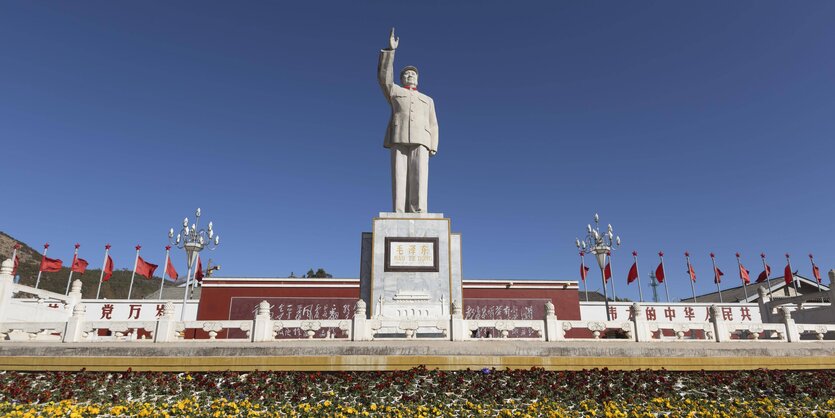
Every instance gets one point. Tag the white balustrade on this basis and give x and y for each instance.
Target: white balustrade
(610, 331)
(818, 331)
(504, 329)
(407, 329)
(32, 331)
(77, 327)
(213, 328)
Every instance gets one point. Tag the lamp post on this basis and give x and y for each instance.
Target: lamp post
(601, 245)
(193, 240)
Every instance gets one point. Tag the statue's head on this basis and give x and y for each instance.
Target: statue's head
(409, 77)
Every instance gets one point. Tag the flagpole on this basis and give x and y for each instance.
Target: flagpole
(135, 263)
(744, 285)
(74, 258)
(789, 263)
(611, 270)
(164, 271)
(640, 291)
(40, 268)
(583, 272)
(765, 270)
(716, 277)
(664, 269)
(103, 266)
(188, 280)
(689, 277)
(14, 258)
(815, 275)
(194, 281)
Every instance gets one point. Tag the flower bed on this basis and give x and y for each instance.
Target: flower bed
(421, 392)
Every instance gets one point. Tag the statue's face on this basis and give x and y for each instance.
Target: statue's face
(409, 78)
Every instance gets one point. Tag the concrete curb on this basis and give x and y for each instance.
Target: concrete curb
(398, 355)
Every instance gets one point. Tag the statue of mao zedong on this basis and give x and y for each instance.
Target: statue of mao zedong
(412, 133)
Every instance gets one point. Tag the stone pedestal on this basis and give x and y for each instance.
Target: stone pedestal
(411, 267)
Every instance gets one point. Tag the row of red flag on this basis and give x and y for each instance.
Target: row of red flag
(660, 274)
(79, 265)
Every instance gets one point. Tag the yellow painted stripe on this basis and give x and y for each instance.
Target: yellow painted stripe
(337, 363)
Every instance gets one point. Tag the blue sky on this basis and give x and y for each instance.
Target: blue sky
(700, 126)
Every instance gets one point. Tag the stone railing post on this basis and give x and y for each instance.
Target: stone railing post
(360, 323)
(721, 330)
(166, 330)
(457, 327)
(75, 324)
(642, 332)
(552, 331)
(262, 329)
(6, 287)
(762, 300)
(74, 296)
(792, 334)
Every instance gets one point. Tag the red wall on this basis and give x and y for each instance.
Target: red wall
(215, 301)
(566, 301)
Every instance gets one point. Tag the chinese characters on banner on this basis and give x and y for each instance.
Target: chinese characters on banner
(672, 313)
(116, 311)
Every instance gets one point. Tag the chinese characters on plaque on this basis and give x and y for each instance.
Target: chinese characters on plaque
(295, 308)
(411, 254)
(500, 309)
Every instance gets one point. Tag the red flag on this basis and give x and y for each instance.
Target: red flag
(717, 275)
(764, 275)
(583, 271)
(16, 263)
(198, 274)
(108, 269)
(79, 265)
(144, 268)
(170, 271)
(659, 273)
(607, 272)
(51, 265)
(633, 273)
(816, 272)
(787, 274)
(691, 272)
(744, 274)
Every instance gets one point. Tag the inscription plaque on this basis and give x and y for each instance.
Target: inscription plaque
(411, 254)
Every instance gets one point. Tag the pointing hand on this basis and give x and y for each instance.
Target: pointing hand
(393, 41)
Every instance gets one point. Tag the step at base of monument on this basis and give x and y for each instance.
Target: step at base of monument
(399, 355)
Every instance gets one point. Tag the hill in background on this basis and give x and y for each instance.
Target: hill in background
(115, 288)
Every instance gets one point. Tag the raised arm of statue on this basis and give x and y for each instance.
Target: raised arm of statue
(385, 67)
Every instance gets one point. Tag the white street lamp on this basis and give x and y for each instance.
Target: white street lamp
(601, 245)
(193, 240)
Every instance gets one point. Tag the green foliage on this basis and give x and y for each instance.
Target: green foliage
(318, 274)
